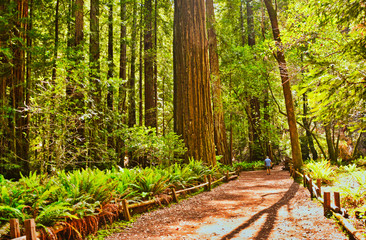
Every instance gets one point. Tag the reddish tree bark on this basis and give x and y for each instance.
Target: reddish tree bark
(192, 103)
(149, 49)
(218, 109)
(132, 78)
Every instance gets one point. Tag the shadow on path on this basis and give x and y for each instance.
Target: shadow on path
(272, 212)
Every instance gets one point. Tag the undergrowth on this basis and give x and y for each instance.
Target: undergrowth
(81, 198)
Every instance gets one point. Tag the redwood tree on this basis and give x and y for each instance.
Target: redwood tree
(150, 102)
(192, 104)
(280, 57)
(132, 78)
(218, 110)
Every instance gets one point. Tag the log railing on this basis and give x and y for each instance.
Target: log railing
(30, 226)
(329, 206)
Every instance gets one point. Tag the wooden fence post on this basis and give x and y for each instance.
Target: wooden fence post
(126, 212)
(175, 198)
(14, 228)
(30, 229)
(326, 203)
(205, 179)
(337, 202)
(319, 185)
(227, 176)
(209, 182)
(310, 187)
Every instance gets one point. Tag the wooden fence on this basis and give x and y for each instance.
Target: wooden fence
(30, 225)
(330, 207)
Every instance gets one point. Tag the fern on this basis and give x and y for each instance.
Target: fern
(149, 184)
(57, 211)
(7, 213)
(320, 170)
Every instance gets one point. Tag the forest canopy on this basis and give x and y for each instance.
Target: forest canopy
(102, 83)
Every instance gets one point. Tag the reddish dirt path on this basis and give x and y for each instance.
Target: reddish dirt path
(256, 206)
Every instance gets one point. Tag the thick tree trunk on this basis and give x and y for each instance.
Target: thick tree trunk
(192, 103)
(150, 107)
(218, 109)
(132, 79)
(291, 118)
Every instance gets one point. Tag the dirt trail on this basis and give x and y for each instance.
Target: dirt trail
(256, 206)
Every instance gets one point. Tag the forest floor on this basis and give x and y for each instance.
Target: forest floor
(256, 206)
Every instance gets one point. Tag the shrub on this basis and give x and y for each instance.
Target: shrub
(320, 170)
(247, 166)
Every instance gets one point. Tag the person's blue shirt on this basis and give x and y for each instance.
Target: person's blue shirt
(268, 162)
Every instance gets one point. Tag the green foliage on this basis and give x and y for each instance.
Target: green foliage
(349, 168)
(320, 169)
(53, 213)
(361, 162)
(87, 182)
(149, 183)
(144, 142)
(354, 190)
(249, 166)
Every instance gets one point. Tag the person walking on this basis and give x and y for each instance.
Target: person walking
(268, 164)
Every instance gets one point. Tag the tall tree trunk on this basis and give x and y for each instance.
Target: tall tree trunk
(242, 28)
(254, 128)
(192, 103)
(150, 108)
(141, 68)
(18, 87)
(291, 118)
(56, 40)
(123, 60)
(5, 70)
(29, 76)
(218, 109)
(74, 86)
(95, 86)
(132, 79)
(250, 23)
(94, 53)
(122, 93)
(155, 57)
(110, 56)
(263, 20)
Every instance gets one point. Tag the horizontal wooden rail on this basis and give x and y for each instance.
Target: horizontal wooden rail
(334, 207)
(191, 188)
(218, 180)
(357, 234)
(31, 234)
